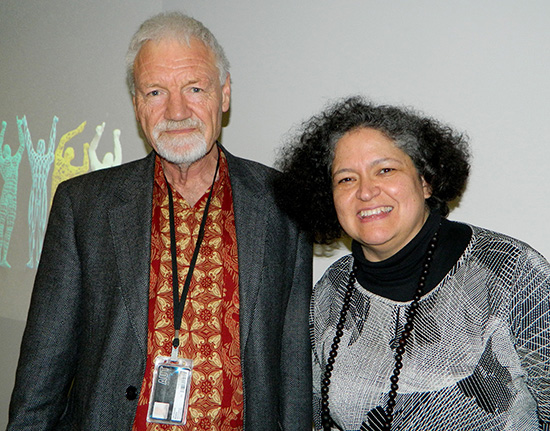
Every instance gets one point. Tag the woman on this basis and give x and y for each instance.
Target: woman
(428, 324)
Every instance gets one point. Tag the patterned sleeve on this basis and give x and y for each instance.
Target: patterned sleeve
(530, 318)
(316, 361)
(324, 312)
(316, 392)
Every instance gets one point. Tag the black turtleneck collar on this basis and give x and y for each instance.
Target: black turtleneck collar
(397, 277)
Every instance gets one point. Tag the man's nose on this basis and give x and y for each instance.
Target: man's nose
(177, 108)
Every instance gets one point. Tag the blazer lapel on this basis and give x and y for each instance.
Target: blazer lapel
(130, 222)
(248, 205)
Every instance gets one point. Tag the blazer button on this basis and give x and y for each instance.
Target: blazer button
(131, 393)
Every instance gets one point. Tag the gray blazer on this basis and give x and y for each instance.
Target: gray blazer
(84, 348)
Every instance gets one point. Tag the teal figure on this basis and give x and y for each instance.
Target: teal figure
(9, 168)
(41, 161)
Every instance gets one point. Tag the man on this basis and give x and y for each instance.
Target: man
(102, 327)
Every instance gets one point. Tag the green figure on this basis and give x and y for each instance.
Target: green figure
(40, 161)
(9, 168)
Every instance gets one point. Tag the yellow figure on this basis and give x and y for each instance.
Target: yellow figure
(63, 169)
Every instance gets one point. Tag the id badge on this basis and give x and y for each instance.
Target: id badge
(169, 398)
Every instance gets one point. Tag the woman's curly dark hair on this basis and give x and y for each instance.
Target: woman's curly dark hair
(304, 190)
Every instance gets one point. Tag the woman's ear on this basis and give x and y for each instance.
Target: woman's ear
(426, 187)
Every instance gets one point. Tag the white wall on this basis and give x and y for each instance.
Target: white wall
(480, 66)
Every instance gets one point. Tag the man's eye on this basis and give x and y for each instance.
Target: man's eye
(386, 170)
(153, 93)
(196, 89)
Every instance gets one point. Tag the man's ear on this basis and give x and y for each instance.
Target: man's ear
(226, 93)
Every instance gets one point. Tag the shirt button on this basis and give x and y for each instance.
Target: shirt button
(131, 393)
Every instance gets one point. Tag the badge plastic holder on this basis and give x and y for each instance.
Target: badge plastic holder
(169, 400)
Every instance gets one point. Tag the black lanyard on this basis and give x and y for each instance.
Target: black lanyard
(179, 303)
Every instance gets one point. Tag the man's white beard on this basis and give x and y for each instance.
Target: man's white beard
(180, 150)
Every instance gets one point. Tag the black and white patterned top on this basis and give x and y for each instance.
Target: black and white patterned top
(478, 357)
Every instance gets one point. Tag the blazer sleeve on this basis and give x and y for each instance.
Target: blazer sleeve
(49, 348)
(296, 351)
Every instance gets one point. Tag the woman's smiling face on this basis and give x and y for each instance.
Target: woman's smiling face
(378, 194)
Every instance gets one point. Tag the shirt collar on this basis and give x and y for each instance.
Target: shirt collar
(223, 174)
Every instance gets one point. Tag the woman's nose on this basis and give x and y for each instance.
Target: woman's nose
(367, 190)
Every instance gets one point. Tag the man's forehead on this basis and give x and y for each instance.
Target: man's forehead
(171, 47)
(173, 56)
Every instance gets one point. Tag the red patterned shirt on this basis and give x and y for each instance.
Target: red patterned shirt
(209, 333)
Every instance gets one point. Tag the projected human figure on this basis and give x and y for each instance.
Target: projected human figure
(109, 159)
(40, 160)
(62, 168)
(9, 167)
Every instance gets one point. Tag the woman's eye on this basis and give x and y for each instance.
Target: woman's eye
(344, 180)
(386, 170)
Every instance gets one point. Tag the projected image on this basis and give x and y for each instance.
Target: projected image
(109, 159)
(41, 158)
(9, 167)
(63, 169)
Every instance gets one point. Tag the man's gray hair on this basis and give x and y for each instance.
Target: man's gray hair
(177, 26)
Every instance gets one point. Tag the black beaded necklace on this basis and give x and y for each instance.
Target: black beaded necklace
(387, 413)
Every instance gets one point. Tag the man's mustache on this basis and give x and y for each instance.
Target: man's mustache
(189, 123)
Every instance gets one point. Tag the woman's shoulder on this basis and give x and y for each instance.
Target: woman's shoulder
(490, 240)
(498, 251)
(337, 273)
(343, 264)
